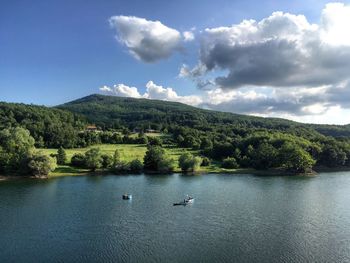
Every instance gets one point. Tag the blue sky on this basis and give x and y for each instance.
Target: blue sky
(55, 51)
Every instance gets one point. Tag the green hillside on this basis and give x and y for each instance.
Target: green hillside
(114, 112)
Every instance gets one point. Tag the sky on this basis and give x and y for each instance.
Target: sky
(288, 59)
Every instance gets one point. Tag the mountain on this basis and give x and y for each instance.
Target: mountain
(112, 111)
(108, 110)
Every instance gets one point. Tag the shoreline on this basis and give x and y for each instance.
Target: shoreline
(270, 172)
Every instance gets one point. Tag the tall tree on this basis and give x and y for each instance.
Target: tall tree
(41, 165)
(93, 159)
(156, 159)
(61, 156)
(16, 145)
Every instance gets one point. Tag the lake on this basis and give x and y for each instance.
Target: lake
(234, 218)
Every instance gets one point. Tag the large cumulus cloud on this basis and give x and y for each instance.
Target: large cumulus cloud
(283, 50)
(148, 41)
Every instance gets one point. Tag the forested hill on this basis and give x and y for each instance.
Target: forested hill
(52, 127)
(116, 112)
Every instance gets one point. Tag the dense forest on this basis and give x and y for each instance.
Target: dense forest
(117, 112)
(49, 127)
(232, 139)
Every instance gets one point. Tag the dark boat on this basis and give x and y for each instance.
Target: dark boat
(127, 196)
(180, 203)
(186, 201)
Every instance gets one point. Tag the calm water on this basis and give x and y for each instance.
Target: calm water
(234, 218)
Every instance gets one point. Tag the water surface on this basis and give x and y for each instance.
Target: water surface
(234, 218)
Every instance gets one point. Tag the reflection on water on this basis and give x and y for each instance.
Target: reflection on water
(234, 218)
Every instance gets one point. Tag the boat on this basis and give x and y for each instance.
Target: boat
(189, 199)
(180, 203)
(127, 196)
(186, 201)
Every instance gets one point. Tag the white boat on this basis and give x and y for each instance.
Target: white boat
(189, 199)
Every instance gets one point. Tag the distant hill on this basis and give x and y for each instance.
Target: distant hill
(112, 111)
(108, 110)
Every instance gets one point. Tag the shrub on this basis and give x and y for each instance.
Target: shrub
(154, 141)
(78, 160)
(166, 165)
(121, 167)
(205, 161)
(136, 166)
(143, 140)
(229, 163)
(107, 161)
(188, 162)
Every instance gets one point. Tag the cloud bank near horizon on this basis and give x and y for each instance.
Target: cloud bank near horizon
(294, 104)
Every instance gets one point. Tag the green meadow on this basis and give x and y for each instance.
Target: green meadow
(128, 152)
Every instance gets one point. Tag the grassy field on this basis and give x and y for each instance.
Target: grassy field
(128, 152)
(149, 134)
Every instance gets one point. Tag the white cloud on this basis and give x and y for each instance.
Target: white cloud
(335, 24)
(121, 90)
(188, 36)
(169, 94)
(148, 41)
(106, 89)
